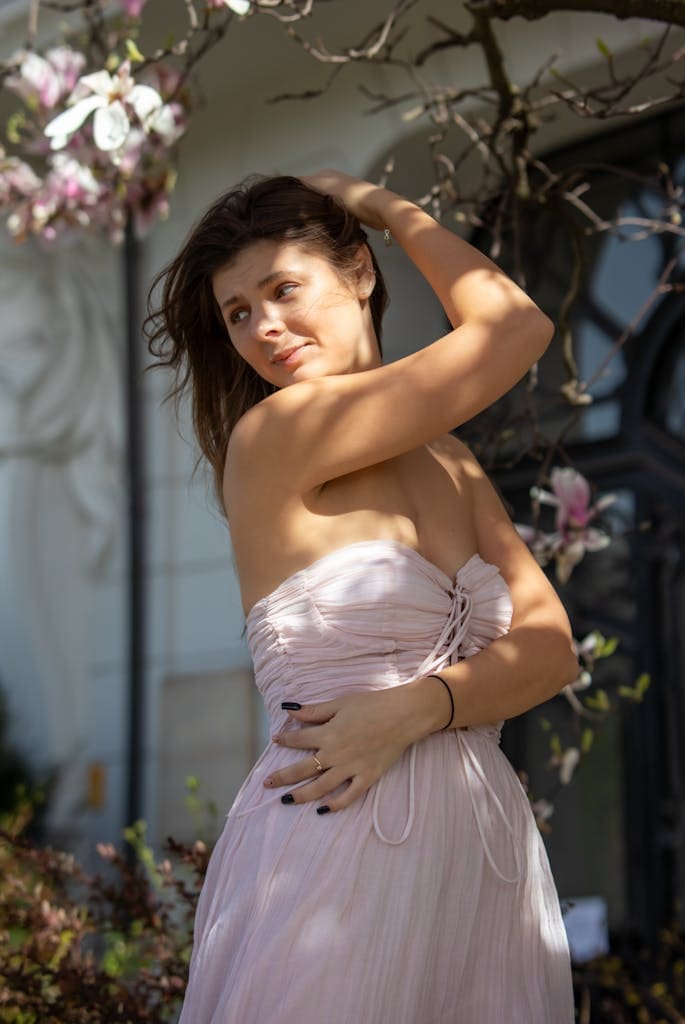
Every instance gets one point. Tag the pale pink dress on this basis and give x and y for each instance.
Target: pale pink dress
(429, 900)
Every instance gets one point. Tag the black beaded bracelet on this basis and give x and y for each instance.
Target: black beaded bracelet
(450, 696)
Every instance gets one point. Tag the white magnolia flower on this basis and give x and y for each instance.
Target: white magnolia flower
(569, 762)
(581, 682)
(107, 97)
(238, 6)
(543, 811)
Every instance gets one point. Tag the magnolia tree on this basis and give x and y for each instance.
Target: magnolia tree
(92, 146)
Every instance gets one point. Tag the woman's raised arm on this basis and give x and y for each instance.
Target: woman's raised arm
(498, 333)
(469, 285)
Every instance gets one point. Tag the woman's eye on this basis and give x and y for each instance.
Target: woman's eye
(237, 316)
(285, 289)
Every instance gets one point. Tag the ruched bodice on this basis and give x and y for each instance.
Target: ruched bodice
(405, 907)
(370, 615)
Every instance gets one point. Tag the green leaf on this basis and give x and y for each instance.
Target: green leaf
(598, 701)
(14, 127)
(642, 683)
(604, 49)
(545, 724)
(637, 692)
(133, 53)
(607, 647)
(555, 745)
(586, 741)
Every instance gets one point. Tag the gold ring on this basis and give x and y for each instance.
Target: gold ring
(319, 767)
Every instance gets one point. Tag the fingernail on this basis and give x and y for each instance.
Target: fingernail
(291, 705)
(323, 810)
(287, 798)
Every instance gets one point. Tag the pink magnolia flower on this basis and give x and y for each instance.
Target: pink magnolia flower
(44, 81)
(133, 8)
(570, 496)
(17, 179)
(69, 197)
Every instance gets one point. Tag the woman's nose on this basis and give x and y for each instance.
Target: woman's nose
(266, 323)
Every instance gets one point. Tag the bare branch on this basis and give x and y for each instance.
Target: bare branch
(671, 12)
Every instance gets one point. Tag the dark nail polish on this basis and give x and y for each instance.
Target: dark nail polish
(323, 810)
(288, 798)
(291, 705)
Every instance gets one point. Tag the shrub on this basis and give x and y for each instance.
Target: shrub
(106, 948)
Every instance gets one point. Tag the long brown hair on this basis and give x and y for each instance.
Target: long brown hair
(186, 331)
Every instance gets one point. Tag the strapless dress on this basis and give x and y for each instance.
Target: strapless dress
(429, 900)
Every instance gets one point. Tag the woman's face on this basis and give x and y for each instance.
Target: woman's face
(291, 315)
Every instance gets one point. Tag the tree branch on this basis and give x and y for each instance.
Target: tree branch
(672, 12)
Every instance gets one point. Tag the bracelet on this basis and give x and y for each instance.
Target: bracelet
(450, 696)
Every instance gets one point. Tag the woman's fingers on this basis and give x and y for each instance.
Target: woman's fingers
(314, 714)
(299, 739)
(356, 788)
(355, 193)
(317, 789)
(304, 769)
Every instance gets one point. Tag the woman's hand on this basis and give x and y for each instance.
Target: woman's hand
(361, 198)
(355, 738)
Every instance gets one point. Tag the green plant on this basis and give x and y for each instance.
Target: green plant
(105, 948)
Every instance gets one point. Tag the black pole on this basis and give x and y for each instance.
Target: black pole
(136, 605)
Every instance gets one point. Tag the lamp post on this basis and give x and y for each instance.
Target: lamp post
(136, 533)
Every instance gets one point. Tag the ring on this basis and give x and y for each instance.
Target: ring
(319, 767)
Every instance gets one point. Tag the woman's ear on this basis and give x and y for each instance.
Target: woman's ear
(365, 273)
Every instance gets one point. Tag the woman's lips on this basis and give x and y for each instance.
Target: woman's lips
(289, 357)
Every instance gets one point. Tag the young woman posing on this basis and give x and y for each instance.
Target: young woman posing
(380, 865)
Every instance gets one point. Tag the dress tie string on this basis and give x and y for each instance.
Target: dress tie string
(445, 651)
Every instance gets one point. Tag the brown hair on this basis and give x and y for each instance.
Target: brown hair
(186, 331)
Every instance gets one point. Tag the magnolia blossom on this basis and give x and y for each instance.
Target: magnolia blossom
(588, 651)
(98, 173)
(111, 98)
(581, 682)
(543, 811)
(570, 496)
(70, 196)
(16, 178)
(133, 8)
(237, 6)
(568, 764)
(44, 81)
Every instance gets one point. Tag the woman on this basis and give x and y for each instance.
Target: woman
(380, 864)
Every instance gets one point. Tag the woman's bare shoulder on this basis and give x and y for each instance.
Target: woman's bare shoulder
(253, 458)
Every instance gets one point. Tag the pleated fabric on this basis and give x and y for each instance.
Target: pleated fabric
(429, 900)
